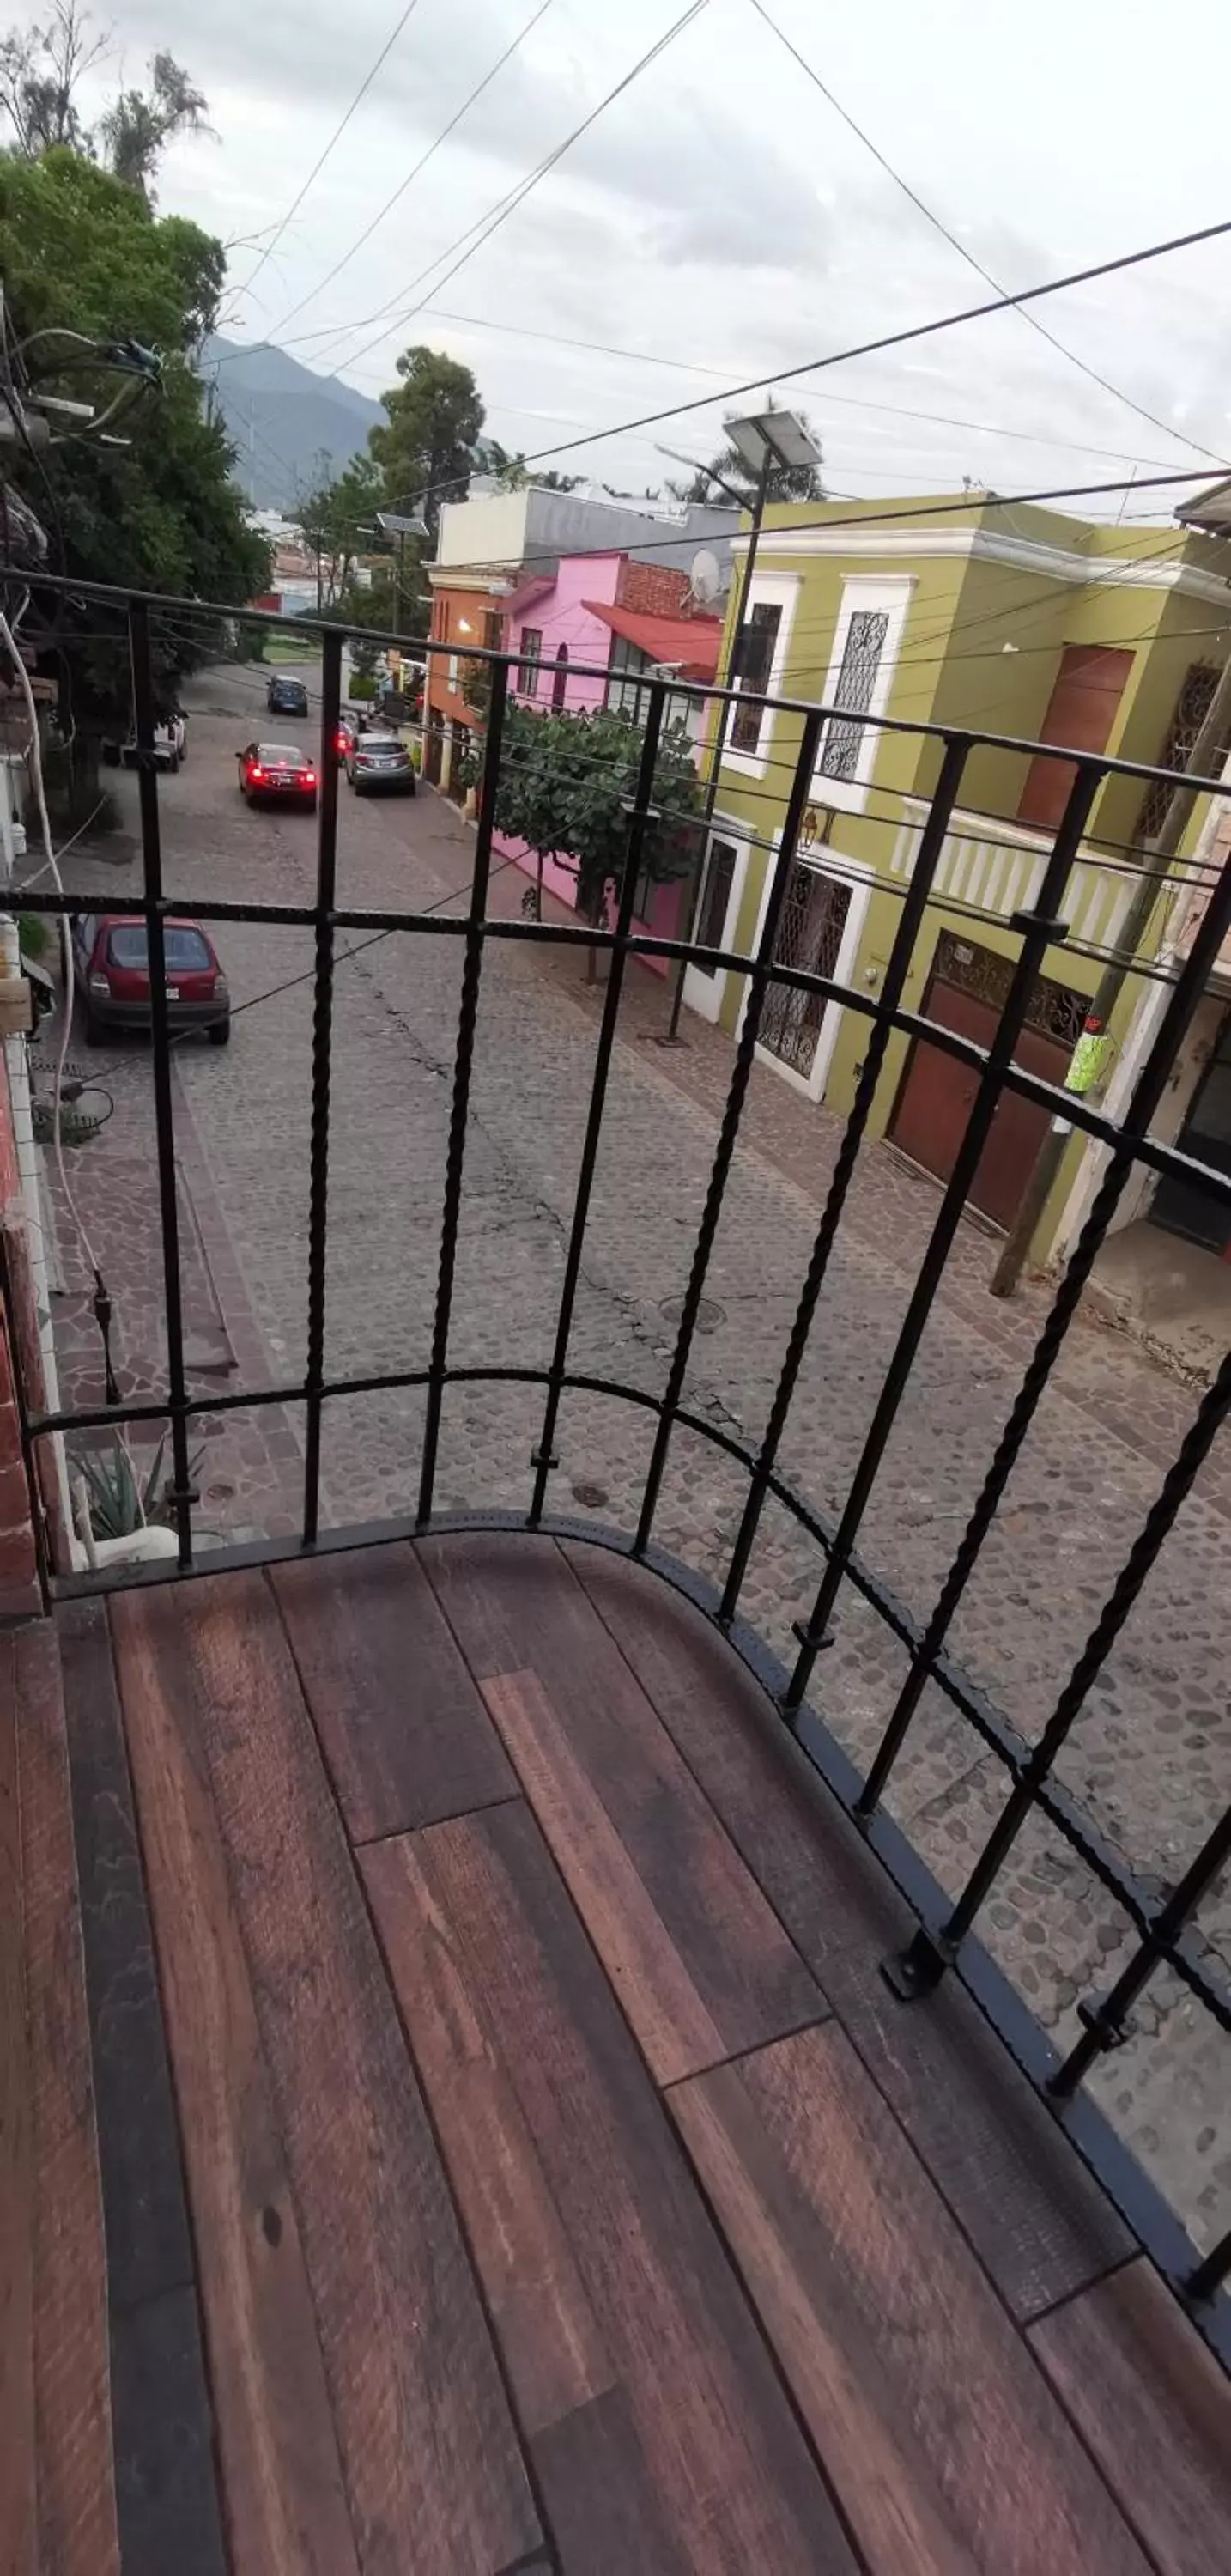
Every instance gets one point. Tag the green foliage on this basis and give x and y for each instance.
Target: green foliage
(786, 483)
(118, 1506)
(363, 683)
(83, 252)
(41, 70)
(434, 420)
(338, 520)
(565, 785)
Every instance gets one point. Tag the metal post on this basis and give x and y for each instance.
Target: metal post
(1040, 930)
(182, 1495)
(463, 1065)
(762, 970)
(322, 1041)
(1210, 742)
(735, 667)
(926, 862)
(642, 816)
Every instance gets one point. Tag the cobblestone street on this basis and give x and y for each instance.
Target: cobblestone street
(1152, 1752)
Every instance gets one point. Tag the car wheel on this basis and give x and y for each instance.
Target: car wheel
(220, 1033)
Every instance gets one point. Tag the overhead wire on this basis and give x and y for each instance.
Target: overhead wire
(334, 139)
(498, 214)
(408, 182)
(955, 243)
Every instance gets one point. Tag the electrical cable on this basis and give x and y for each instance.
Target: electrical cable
(955, 243)
(904, 338)
(499, 214)
(411, 175)
(334, 139)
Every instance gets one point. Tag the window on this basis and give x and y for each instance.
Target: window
(493, 629)
(625, 695)
(756, 663)
(531, 656)
(715, 895)
(559, 683)
(185, 950)
(866, 637)
(453, 669)
(1191, 711)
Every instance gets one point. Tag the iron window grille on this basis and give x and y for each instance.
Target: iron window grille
(861, 660)
(1159, 1909)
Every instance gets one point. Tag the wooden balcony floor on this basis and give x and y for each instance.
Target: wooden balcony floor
(457, 2124)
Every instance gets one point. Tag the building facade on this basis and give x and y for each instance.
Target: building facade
(1029, 624)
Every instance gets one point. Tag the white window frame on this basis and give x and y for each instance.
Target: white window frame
(860, 593)
(769, 590)
(452, 672)
(848, 871)
(705, 993)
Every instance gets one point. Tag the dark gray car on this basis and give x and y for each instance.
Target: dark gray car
(380, 760)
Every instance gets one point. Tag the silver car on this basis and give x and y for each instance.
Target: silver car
(380, 760)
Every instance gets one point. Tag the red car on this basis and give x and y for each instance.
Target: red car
(278, 774)
(111, 960)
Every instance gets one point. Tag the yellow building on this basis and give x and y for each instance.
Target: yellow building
(989, 618)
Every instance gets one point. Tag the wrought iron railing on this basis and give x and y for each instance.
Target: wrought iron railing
(944, 1942)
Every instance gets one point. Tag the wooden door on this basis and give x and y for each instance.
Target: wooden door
(938, 1094)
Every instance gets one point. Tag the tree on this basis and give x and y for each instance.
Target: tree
(428, 447)
(513, 471)
(565, 785)
(139, 124)
(83, 253)
(41, 70)
(339, 521)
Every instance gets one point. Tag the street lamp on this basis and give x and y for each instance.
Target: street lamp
(766, 442)
(392, 524)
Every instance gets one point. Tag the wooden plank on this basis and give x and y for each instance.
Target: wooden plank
(72, 2406)
(701, 1964)
(944, 2443)
(432, 2466)
(1040, 2225)
(166, 2487)
(148, 2248)
(658, 2426)
(404, 1731)
(281, 2475)
(1154, 2408)
(17, 2480)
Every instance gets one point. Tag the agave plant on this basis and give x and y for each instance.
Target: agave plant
(118, 1505)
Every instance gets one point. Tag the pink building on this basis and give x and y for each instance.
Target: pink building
(618, 620)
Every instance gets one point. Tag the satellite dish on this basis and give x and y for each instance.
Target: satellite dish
(705, 579)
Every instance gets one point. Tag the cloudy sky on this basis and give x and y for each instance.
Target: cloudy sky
(719, 219)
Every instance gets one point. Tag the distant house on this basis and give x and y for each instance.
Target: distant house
(492, 546)
(592, 634)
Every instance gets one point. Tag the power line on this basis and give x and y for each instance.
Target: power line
(901, 339)
(507, 205)
(955, 243)
(335, 138)
(411, 175)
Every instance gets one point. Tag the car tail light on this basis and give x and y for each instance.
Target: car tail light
(339, 742)
(255, 770)
(309, 778)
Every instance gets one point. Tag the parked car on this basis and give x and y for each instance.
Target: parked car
(350, 726)
(111, 960)
(380, 760)
(170, 746)
(286, 697)
(277, 773)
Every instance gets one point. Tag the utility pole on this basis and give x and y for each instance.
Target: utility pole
(1090, 1064)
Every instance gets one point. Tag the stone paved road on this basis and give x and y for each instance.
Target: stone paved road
(1152, 1752)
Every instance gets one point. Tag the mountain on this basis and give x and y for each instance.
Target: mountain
(289, 427)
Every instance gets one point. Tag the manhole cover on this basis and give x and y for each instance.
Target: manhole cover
(709, 1313)
(593, 1496)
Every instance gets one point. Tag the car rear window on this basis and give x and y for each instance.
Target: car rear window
(186, 951)
(284, 755)
(381, 742)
